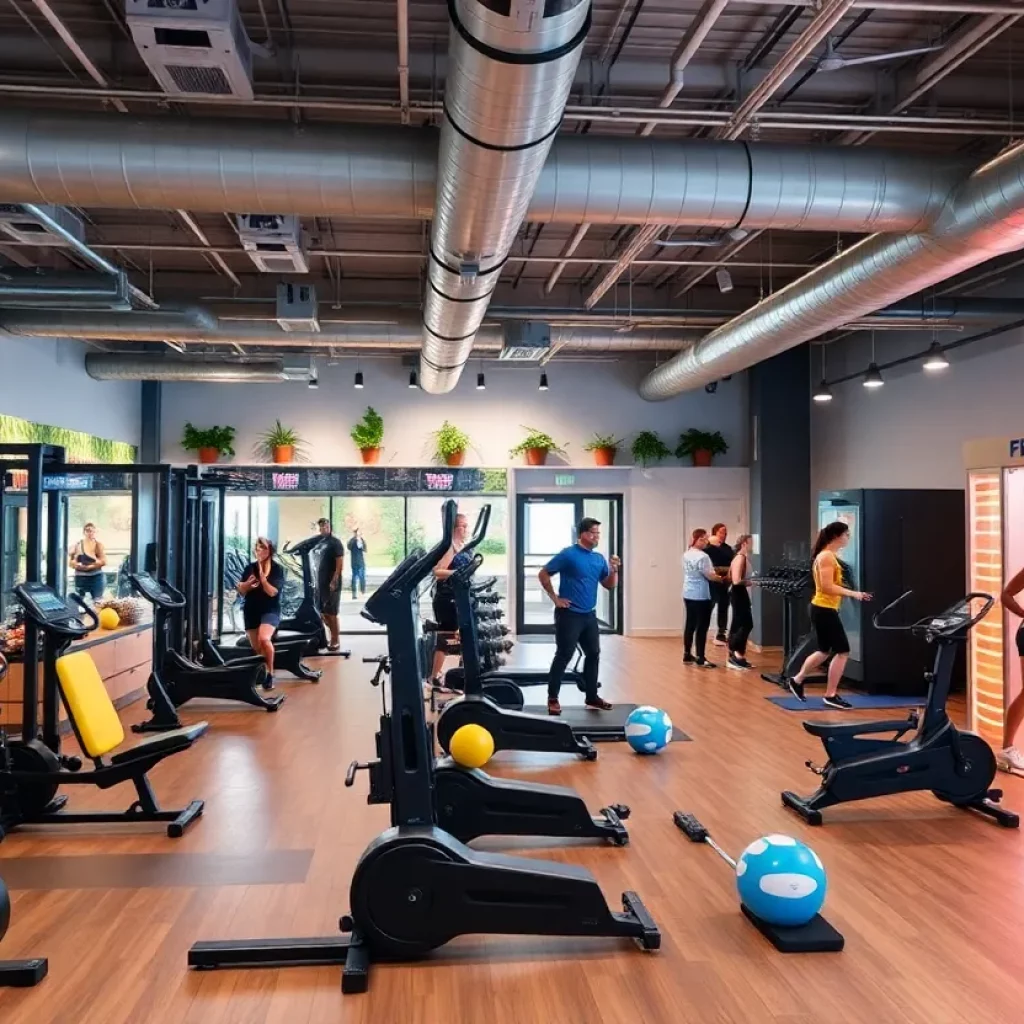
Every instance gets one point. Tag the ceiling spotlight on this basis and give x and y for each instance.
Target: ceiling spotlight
(822, 393)
(413, 382)
(873, 377)
(936, 358)
(358, 383)
(314, 382)
(543, 386)
(724, 279)
(481, 384)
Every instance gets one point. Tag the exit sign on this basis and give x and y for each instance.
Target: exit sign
(564, 479)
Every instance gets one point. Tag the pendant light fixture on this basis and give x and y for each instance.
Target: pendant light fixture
(935, 359)
(413, 381)
(822, 393)
(873, 376)
(543, 386)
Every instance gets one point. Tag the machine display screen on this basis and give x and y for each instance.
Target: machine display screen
(46, 601)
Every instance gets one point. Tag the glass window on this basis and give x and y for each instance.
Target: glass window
(110, 519)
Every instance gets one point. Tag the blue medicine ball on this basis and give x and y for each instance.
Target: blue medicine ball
(781, 880)
(648, 730)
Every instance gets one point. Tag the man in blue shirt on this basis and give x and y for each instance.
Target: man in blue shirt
(579, 569)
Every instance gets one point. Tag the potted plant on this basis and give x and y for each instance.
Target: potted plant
(605, 447)
(450, 444)
(701, 446)
(368, 434)
(209, 444)
(536, 446)
(647, 447)
(280, 445)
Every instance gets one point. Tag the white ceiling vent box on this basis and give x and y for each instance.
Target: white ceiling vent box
(23, 227)
(525, 340)
(296, 307)
(274, 242)
(193, 47)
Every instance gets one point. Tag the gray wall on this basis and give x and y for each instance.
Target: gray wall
(910, 433)
(583, 398)
(44, 380)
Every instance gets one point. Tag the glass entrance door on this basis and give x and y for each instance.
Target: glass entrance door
(545, 525)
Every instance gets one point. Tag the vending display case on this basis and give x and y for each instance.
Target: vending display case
(995, 552)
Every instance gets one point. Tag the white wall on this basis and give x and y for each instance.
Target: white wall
(583, 398)
(43, 380)
(654, 527)
(910, 433)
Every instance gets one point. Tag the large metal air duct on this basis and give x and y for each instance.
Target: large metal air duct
(121, 366)
(65, 290)
(984, 219)
(511, 69)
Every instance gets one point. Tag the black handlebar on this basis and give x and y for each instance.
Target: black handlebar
(480, 530)
(138, 582)
(955, 619)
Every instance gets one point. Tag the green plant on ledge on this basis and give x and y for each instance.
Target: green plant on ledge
(209, 443)
(280, 444)
(450, 444)
(701, 446)
(536, 446)
(368, 435)
(605, 447)
(647, 447)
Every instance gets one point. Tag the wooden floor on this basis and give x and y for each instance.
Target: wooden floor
(931, 900)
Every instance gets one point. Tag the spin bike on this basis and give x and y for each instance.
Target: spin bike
(416, 887)
(958, 767)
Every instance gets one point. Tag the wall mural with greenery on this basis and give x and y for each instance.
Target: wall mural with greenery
(80, 447)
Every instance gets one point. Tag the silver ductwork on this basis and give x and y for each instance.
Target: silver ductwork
(65, 290)
(118, 366)
(211, 166)
(984, 219)
(511, 69)
(169, 323)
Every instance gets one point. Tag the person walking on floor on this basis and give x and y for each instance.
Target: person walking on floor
(357, 561)
(742, 612)
(828, 626)
(698, 575)
(721, 555)
(260, 588)
(332, 566)
(579, 568)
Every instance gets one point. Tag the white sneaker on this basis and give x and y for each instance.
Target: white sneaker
(1013, 759)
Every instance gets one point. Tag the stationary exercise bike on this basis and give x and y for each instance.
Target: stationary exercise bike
(15, 973)
(958, 767)
(416, 887)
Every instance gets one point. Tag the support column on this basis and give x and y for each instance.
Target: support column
(780, 473)
(150, 437)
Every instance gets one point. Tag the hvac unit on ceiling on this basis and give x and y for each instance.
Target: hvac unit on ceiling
(296, 307)
(23, 227)
(525, 340)
(274, 242)
(193, 47)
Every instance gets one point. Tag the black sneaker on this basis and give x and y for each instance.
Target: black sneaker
(704, 663)
(688, 659)
(837, 702)
(795, 688)
(737, 663)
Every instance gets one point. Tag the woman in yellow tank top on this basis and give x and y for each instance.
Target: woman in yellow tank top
(828, 627)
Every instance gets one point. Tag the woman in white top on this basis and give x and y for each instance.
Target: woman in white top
(698, 574)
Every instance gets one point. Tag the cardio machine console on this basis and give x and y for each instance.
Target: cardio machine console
(959, 618)
(155, 592)
(45, 607)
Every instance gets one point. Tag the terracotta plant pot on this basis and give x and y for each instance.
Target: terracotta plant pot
(208, 456)
(536, 456)
(371, 456)
(456, 458)
(283, 454)
(701, 457)
(605, 456)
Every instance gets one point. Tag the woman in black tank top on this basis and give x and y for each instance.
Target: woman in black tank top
(1010, 757)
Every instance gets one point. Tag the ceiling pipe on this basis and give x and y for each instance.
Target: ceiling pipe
(508, 83)
(74, 290)
(120, 366)
(209, 166)
(984, 219)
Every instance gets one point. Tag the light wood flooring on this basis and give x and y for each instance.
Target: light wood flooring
(931, 900)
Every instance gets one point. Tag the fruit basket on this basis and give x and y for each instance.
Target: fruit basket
(130, 610)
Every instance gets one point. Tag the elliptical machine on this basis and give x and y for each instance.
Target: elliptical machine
(958, 767)
(15, 973)
(416, 887)
(511, 730)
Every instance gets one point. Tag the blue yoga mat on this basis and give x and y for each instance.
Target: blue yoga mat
(861, 701)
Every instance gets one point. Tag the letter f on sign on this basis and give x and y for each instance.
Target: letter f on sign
(1016, 446)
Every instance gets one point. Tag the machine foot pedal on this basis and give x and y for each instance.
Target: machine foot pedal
(650, 937)
(817, 936)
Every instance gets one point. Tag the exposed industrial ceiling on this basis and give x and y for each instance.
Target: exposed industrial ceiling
(744, 71)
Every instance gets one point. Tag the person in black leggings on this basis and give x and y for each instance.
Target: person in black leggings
(1010, 757)
(698, 575)
(739, 595)
(721, 555)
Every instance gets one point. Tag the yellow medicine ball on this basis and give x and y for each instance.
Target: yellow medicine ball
(471, 746)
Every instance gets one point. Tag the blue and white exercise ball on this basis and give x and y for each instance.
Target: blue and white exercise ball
(781, 881)
(648, 729)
